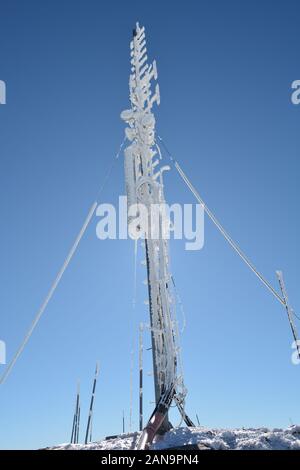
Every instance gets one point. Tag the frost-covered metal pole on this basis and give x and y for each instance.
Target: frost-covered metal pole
(76, 418)
(90, 416)
(141, 377)
(144, 186)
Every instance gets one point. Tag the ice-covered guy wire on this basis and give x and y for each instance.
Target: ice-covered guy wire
(283, 300)
(61, 272)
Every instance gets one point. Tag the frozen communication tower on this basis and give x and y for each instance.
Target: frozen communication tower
(144, 187)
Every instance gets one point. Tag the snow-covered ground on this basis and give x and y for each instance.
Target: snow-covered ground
(218, 439)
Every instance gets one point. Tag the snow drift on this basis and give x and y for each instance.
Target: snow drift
(215, 439)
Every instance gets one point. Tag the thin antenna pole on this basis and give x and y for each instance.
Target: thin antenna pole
(73, 428)
(197, 420)
(91, 405)
(131, 392)
(78, 425)
(91, 429)
(123, 423)
(75, 418)
(77, 415)
(141, 377)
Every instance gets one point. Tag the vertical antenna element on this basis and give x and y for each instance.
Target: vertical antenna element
(91, 405)
(91, 429)
(73, 427)
(131, 390)
(123, 423)
(76, 418)
(78, 425)
(141, 377)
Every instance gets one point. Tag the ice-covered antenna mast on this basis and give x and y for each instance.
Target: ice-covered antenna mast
(144, 185)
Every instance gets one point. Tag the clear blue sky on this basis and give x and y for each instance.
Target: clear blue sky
(225, 70)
